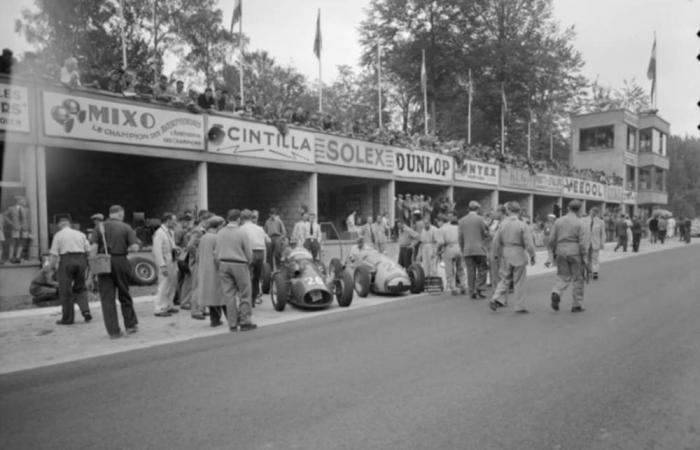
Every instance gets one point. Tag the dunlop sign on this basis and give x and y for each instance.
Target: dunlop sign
(258, 140)
(74, 117)
(422, 164)
(573, 187)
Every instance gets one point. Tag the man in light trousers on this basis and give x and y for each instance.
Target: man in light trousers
(163, 253)
(595, 229)
(568, 241)
(448, 247)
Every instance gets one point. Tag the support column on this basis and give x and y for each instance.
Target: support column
(531, 207)
(42, 202)
(313, 194)
(450, 192)
(202, 186)
(391, 193)
(494, 199)
(29, 178)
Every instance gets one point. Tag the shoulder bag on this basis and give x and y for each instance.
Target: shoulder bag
(101, 263)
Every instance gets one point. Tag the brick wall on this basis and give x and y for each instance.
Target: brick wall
(171, 186)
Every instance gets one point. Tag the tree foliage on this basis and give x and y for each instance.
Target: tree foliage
(683, 182)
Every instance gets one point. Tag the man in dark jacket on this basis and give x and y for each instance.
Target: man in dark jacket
(636, 233)
(473, 232)
(653, 229)
(621, 232)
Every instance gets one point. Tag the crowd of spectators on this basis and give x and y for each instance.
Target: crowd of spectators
(172, 92)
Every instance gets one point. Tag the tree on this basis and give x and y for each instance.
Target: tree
(683, 183)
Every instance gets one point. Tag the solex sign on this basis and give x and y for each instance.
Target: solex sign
(353, 153)
(420, 164)
(124, 123)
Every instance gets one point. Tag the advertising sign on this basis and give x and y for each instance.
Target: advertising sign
(258, 140)
(549, 183)
(14, 104)
(422, 164)
(517, 178)
(69, 116)
(477, 172)
(354, 153)
(631, 159)
(578, 188)
(614, 194)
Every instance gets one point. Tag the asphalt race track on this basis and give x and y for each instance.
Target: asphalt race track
(434, 372)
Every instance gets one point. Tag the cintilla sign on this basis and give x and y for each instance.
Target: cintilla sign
(421, 164)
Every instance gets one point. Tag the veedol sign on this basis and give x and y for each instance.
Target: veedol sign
(257, 140)
(353, 153)
(575, 187)
(422, 164)
(472, 171)
(14, 104)
(88, 118)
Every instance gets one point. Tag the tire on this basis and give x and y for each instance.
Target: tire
(143, 271)
(266, 278)
(344, 289)
(362, 280)
(417, 277)
(279, 291)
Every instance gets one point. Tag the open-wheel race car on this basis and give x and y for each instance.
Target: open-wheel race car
(373, 271)
(307, 284)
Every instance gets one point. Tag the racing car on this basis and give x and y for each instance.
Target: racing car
(307, 284)
(374, 271)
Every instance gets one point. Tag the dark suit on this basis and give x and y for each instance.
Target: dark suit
(473, 233)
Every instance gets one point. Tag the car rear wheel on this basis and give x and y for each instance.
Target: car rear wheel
(279, 291)
(143, 271)
(362, 280)
(343, 289)
(417, 277)
(266, 278)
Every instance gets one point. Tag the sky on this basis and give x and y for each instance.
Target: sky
(614, 36)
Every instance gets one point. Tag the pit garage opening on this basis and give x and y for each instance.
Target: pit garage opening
(81, 183)
(544, 205)
(522, 198)
(463, 195)
(234, 186)
(338, 196)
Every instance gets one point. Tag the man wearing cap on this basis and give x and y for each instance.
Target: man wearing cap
(568, 242)
(120, 239)
(164, 253)
(472, 234)
(68, 253)
(258, 243)
(512, 244)
(234, 254)
(17, 217)
(275, 229)
(595, 228)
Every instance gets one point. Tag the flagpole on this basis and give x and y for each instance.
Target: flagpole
(379, 83)
(529, 138)
(318, 46)
(469, 110)
(123, 33)
(425, 95)
(656, 76)
(503, 119)
(320, 86)
(240, 58)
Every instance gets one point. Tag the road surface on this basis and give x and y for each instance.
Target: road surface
(436, 372)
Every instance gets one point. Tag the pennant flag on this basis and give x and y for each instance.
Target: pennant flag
(237, 12)
(317, 41)
(423, 76)
(651, 70)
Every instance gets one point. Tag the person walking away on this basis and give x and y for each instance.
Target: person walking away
(68, 254)
(653, 229)
(671, 228)
(688, 227)
(234, 254)
(406, 240)
(258, 242)
(513, 244)
(209, 287)
(120, 239)
(494, 262)
(165, 253)
(448, 248)
(636, 233)
(428, 247)
(621, 233)
(275, 229)
(661, 225)
(546, 233)
(472, 234)
(609, 227)
(569, 247)
(44, 287)
(595, 227)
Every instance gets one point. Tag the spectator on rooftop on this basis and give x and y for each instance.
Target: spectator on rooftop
(69, 73)
(6, 61)
(206, 100)
(128, 82)
(113, 83)
(162, 90)
(180, 96)
(327, 124)
(93, 79)
(299, 116)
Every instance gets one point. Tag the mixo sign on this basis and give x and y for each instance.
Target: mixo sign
(353, 153)
(422, 164)
(574, 187)
(257, 140)
(14, 108)
(88, 118)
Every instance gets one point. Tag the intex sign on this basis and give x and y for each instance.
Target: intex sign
(124, 123)
(472, 171)
(353, 153)
(421, 164)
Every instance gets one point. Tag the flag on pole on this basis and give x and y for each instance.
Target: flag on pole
(379, 82)
(651, 70)
(318, 43)
(424, 88)
(122, 24)
(237, 12)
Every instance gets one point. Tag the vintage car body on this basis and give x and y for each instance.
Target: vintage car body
(306, 284)
(374, 271)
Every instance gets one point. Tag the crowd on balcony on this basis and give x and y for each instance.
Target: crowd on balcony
(172, 92)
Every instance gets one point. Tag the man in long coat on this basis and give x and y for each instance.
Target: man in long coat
(210, 293)
(472, 234)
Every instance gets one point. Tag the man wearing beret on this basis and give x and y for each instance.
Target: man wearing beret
(569, 244)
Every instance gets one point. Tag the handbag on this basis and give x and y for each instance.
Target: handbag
(101, 263)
